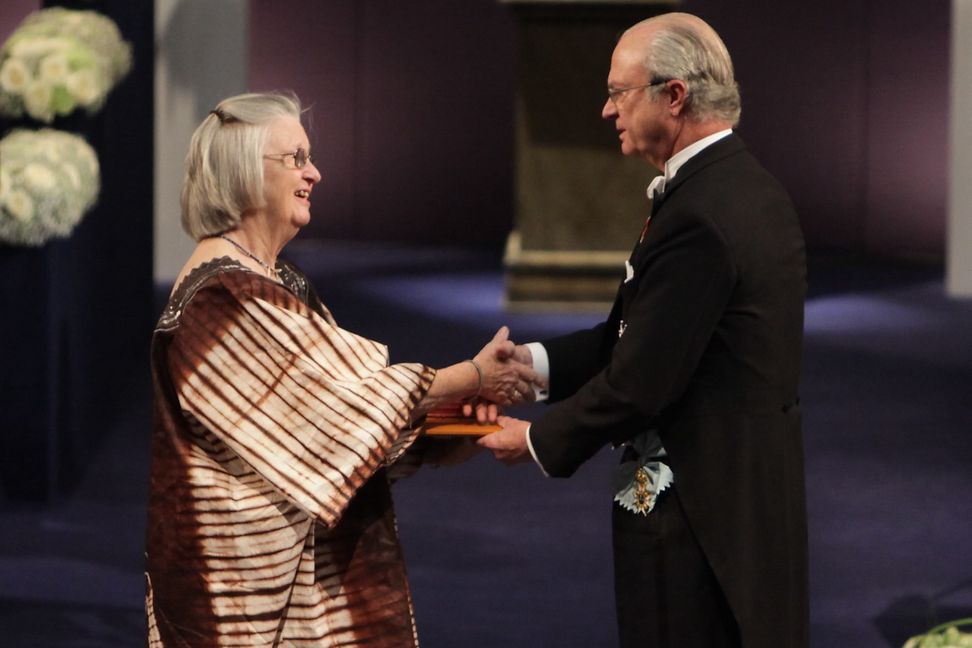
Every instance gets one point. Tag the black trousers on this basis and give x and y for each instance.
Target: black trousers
(666, 594)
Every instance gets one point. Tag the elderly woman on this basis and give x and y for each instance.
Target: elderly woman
(270, 519)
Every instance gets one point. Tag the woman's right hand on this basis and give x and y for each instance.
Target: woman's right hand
(506, 381)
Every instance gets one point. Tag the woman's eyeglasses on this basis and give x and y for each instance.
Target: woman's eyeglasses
(301, 157)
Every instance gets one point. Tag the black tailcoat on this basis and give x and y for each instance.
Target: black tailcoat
(710, 357)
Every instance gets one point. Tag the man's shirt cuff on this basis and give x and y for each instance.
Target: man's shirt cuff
(541, 364)
(532, 453)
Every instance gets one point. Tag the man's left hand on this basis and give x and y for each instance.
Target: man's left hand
(509, 445)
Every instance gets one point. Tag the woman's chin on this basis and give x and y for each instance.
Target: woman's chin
(301, 219)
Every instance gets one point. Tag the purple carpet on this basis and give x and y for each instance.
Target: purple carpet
(501, 556)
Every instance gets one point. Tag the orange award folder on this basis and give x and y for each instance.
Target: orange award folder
(449, 421)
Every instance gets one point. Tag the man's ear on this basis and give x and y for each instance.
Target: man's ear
(677, 96)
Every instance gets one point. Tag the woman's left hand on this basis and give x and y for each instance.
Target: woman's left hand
(483, 410)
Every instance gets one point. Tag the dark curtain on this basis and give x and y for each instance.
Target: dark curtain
(77, 312)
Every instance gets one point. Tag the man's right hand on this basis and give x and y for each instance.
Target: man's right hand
(504, 380)
(521, 353)
(487, 411)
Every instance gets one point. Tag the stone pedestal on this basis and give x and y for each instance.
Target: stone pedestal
(579, 204)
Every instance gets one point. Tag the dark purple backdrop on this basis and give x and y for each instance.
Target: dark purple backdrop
(844, 100)
(12, 12)
(412, 112)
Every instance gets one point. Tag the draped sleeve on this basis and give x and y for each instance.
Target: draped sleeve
(313, 409)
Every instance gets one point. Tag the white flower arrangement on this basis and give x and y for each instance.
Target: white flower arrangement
(48, 181)
(58, 60)
(946, 635)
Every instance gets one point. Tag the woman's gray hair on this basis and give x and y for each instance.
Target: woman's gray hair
(224, 166)
(696, 55)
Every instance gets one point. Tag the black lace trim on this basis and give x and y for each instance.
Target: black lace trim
(292, 278)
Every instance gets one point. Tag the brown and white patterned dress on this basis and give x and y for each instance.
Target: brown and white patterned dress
(270, 518)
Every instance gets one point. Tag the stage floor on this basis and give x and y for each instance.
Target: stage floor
(502, 556)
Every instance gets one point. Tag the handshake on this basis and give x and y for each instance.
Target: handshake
(507, 378)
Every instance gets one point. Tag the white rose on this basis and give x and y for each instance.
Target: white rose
(36, 46)
(39, 177)
(72, 173)
(87, 154)
(14, 76)
(83, 85)
(37, 101)
(54, 69)
(4, 184)
(48, 150)
(20, 206)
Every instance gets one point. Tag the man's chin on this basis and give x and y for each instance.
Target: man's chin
(630, 150)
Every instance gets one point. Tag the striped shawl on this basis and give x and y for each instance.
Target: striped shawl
(270, 519)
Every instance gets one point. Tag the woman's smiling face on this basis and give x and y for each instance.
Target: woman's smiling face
(286, 187)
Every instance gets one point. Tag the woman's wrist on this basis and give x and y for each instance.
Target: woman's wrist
(453, 384)
(479, 378)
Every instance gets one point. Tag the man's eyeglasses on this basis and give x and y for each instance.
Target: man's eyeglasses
(615, 94)
(301, 157)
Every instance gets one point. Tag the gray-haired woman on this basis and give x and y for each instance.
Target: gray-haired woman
(270, 519)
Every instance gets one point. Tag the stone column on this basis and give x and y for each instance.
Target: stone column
(579, 204)
(959, 241)
(201, 54)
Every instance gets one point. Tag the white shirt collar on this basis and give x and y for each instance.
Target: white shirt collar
(676, 161)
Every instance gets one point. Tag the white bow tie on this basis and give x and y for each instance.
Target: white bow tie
(657, 187)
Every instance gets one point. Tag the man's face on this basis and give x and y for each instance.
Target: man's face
(645, 125)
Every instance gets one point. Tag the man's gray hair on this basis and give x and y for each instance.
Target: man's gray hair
(701, 60)
(224, 166)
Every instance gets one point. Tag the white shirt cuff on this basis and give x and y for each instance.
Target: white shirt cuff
(530, 448)
(541, 364)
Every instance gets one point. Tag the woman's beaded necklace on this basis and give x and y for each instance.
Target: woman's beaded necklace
(270, 270)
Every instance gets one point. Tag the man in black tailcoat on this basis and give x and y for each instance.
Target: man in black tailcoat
(695, 371)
